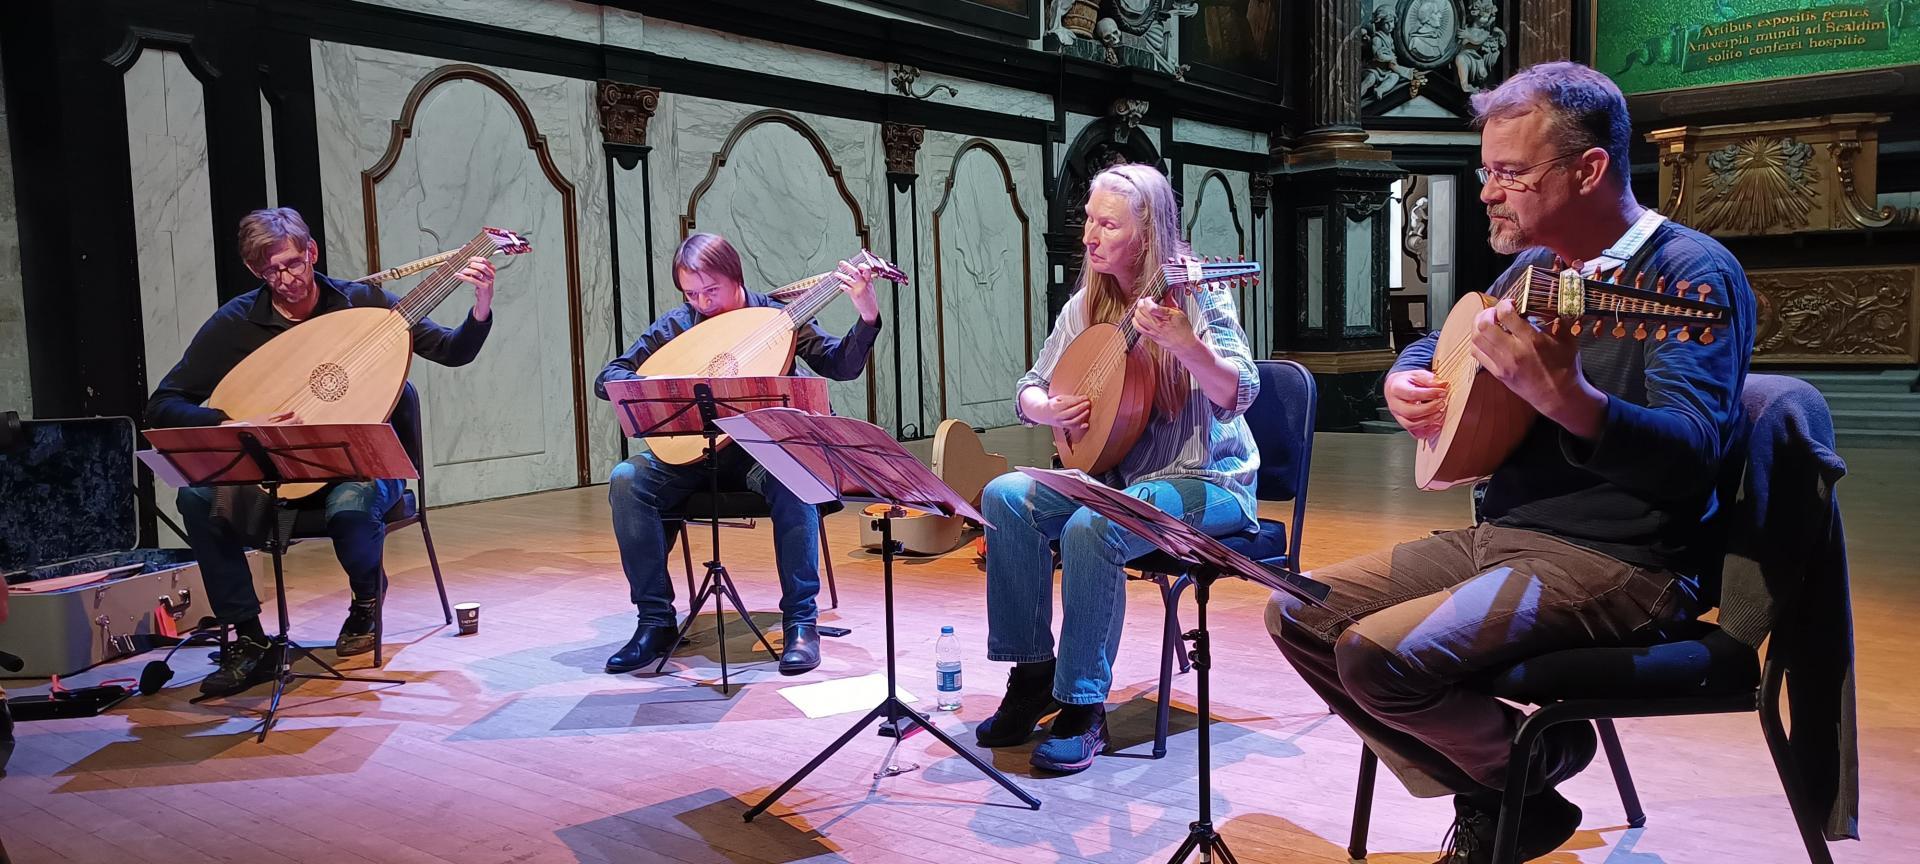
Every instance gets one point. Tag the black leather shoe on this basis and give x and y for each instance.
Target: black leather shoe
(650, 642)
(1029, 698)
(244, 663)
(356, 633)
(799, 649)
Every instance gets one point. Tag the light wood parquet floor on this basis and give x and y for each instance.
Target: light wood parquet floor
(512, 745)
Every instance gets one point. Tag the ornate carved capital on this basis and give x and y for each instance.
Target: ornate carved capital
(1361, 205)
(902, 141)
(1776, 176)
(1259, 186)
(625, 110)
(1128, 112)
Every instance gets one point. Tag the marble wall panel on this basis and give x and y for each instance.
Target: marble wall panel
(775, 200)
(167, 147)
(16, 387)
(1219, 222)
(505, 424)
(990, 317)
(1214, 135)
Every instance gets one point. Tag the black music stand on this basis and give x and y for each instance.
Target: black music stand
(268, 456)
(822, 459)
(658, 406)
(1208, 560)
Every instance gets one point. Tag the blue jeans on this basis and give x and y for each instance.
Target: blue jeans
(1093, 552)
(643, 486)
(356, 522)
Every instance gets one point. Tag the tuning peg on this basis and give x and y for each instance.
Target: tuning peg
(1660, 285)
(1682, 335)
(1660, 334)
(1619, 329)
(1577, 327)
(1614, 277)
(1703, 290)
(1680, 288)
(1553, 327)
(1639, 278)
(1706, 335)
(1640, 332)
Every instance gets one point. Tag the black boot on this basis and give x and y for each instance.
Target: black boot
(244, 663)
(649, 643)
(799, 649)
(1029, 698)
(357, 632)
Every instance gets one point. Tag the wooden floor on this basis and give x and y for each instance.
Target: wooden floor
(513, 745)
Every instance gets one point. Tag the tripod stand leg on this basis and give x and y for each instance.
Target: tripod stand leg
(693, 613)
(726, 583)
(800, 775)
(993, 774)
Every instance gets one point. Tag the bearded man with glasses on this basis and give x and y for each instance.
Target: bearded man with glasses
(277, 247)
(1597, 531)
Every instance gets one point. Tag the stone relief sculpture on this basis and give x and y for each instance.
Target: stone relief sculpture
(1480, 44)
(1381, 71)
(1412, 43)
(1121, 32)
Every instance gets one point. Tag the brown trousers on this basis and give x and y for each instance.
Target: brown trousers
(1405, 634)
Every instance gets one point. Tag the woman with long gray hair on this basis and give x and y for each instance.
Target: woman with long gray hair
(1196, 461)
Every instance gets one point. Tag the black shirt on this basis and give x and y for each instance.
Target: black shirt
(250, 320)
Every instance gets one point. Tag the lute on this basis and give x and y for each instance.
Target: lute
(1485, 421)
(752, 341)
(347, 366)
(1108, 364)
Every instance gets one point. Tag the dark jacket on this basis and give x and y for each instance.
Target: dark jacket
(1785, 575)
(249, 321)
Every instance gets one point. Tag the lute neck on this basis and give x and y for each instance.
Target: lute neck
(440, 284)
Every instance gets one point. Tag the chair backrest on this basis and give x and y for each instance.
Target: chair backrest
(1282, 419)
(1789, 437)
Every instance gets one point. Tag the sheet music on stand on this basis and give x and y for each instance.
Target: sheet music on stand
(663, 405)
(1173, 536)
(823, 458)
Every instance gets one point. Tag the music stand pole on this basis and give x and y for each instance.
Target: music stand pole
(277, 544)
(1201, 837)
(717, 583)
(891, 707)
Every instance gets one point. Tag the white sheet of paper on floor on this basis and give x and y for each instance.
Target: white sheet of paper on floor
(842, 695)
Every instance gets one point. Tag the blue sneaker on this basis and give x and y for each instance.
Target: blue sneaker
(1078, 735)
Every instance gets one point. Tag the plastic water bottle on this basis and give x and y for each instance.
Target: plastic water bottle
(946, 663)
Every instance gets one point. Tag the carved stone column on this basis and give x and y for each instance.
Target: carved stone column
(1335, 82)
(1546, 31)
(902, 142)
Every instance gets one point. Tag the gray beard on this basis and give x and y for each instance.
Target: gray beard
(1506, 243)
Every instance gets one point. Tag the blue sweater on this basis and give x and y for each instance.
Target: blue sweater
(1644, 491)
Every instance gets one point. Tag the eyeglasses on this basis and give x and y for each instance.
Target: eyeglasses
(274, 274)
(1510, 179)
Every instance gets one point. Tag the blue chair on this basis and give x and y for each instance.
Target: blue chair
(1281, 419)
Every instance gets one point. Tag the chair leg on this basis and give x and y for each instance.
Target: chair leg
(686, 555)
(1173, 620)
(1526, 747)
(826, 560)
(433, 559)
(1812, 834)
(380, 622)
(1363, 804)
(1622, 778)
